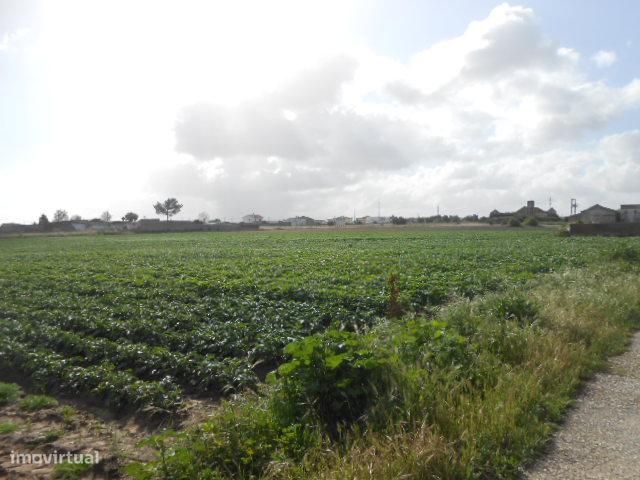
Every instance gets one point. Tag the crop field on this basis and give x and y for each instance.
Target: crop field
(140, 321)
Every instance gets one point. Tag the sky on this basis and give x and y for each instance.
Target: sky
(323, 109)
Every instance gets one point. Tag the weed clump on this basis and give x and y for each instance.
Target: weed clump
(395, 309)
(32, 403)
(7, 427)
(512, 307)
(71, 471)
(9, 393)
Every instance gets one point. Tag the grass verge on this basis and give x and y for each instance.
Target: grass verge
(472, 393)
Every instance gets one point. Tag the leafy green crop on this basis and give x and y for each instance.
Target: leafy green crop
(139, 321)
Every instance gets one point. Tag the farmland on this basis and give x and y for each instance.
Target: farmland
(141, 321)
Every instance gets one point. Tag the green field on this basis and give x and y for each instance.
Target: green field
(141, 320)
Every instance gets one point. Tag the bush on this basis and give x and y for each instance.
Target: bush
(9, 393)
(334, 375)
(531, 222)
(514, 222)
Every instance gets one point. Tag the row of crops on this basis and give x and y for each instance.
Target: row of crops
(141, 321)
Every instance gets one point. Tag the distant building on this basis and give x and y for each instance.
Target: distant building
(301, 221)
(596, 214)
(529, 210)
(630, 213)
(369, 220)
(18, 228)
(252, 218)
(341, 221)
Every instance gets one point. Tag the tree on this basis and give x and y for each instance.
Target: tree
(43, 221)
(130, 217)
(106, 216)
(60, 216)
(203, 217)
(398, 220)
(169, 207)
(76, 217)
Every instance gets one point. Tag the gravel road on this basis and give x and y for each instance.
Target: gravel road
(601, 437)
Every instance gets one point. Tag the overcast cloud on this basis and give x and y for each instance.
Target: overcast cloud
(495, 116)
(504, 118)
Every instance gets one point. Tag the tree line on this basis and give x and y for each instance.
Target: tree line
(168, 208)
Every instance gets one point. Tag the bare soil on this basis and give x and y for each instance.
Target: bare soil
(85, 431)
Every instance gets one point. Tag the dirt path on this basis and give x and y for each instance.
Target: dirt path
(601, 437)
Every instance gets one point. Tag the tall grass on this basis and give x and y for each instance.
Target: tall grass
(472, 393)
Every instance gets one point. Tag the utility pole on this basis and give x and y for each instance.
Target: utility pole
(438, 210)
(378, 208)
(574, 206)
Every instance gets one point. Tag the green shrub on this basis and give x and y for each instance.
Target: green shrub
(31, 403)
(334, 375)
(531, 222)
(9, 393)
(514, 222)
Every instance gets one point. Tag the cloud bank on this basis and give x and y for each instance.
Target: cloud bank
(493, 117)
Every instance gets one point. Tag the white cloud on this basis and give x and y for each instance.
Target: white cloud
(569, 53)
(604, 58)
(487, 119)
